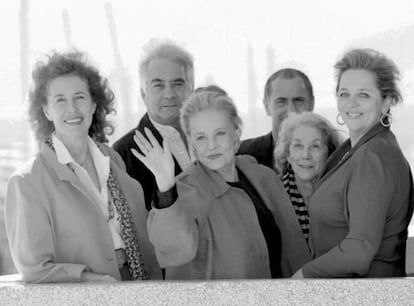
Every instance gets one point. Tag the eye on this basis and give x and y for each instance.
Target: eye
(364, 95)
(343, 94)
(280, 101)
(221, 133)
(297, 146)
(179, 83)
(158, 85)
(200, 137)
(60, 100)
(80, 97)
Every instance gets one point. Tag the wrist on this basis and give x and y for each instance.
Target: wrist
(165, 185)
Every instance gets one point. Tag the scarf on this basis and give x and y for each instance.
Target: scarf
(128, 232)
(289, 182)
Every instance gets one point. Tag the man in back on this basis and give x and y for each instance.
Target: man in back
(287, 90)
(166, 74)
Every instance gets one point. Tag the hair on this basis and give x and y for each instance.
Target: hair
(69, 64)
(330, 135)
(156, 49)
(384, 70)
(288, 74)
(208, 100)
(213, 88)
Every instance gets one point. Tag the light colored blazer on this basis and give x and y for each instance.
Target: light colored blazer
(212, 230)
(55, 229)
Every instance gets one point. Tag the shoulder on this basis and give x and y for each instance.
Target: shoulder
(383, 146)
(249, 163)
(191, 176)
(113, 155)
(29, 175)
(255, 143)
(125, 142)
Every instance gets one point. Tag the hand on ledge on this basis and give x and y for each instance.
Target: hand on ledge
(95, 277)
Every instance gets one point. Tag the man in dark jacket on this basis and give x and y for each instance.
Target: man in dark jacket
(287, 90)
(166, 74)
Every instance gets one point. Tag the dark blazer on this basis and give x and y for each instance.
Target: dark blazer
(360, 210)
(134, 167)
(261, 148)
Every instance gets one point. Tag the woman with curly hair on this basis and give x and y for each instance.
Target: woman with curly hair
(72, 213)
(305, 142)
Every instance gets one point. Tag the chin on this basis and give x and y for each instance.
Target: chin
(307, 177)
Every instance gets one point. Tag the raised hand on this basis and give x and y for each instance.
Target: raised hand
(156, 158)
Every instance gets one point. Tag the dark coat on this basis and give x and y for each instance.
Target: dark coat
(261, 148)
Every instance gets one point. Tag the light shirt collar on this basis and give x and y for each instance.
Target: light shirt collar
(101, 161)
(165, 130)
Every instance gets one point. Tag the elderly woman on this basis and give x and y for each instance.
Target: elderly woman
(72, 213)
(363, 201)
(225, 217)
(304, 143)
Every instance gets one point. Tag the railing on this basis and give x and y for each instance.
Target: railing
(397, 291)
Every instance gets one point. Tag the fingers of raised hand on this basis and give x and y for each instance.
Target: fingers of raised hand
(142, 143)
(137, 154)
(154, 142)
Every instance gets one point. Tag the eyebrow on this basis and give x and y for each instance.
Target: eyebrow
(359, 89)
(163, 81)
(315, 140)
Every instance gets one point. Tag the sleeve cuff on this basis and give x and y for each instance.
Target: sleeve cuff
(165, 199)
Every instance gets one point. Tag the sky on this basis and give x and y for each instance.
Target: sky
(308, 35)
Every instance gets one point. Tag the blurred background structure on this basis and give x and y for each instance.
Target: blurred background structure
(236, 45)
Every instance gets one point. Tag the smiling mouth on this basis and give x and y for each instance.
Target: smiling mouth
(74, 121)
(170, 106)
(353, 115)
(213, 156)
(306, 166)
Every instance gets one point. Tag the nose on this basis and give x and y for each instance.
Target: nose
(212, 143)
(291, 107)
(169, 92)
(71, 105)
(306, 153)
(353, 101)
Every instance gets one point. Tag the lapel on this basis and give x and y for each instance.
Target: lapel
(268, 148)
(210, 180)
(345, 152)
(275, 198)
(65, 173)
(146, 123)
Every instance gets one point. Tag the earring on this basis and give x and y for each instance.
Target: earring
(194, 151)
(339, 122)
(388, 121)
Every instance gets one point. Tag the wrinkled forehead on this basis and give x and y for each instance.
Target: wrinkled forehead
(164, 70)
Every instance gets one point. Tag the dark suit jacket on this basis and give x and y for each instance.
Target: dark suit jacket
(135, 168)
(261, 148)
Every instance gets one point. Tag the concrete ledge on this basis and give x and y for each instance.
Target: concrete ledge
(398, 291)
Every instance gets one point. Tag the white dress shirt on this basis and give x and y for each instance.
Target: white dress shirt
(175, 143)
